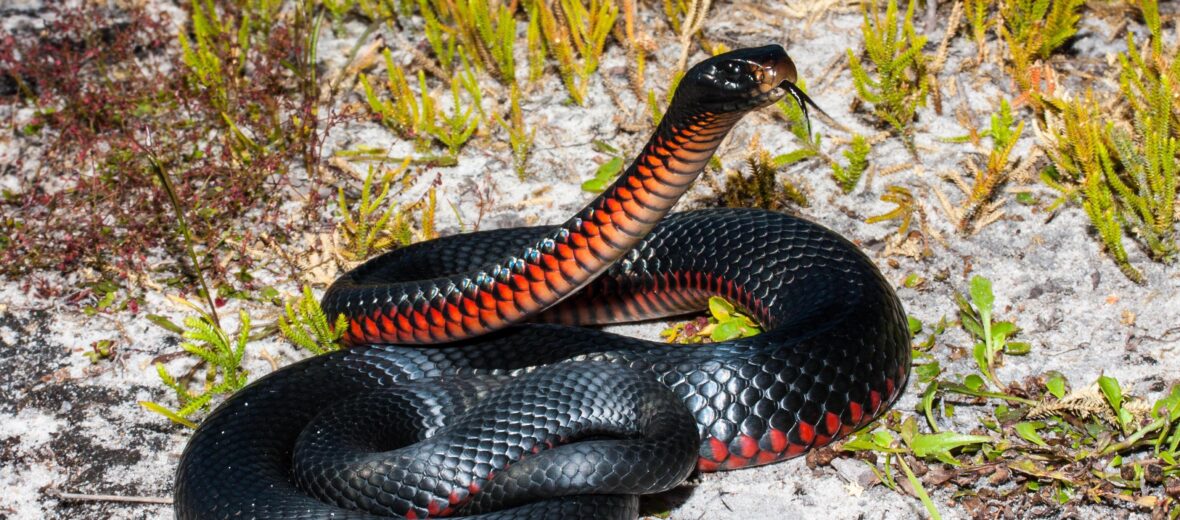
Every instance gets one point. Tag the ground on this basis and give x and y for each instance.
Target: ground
(72, 426)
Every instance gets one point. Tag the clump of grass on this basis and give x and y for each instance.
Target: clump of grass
(575, 33)
(305, 324)
(1034, 30)
(372, 224)
(1126, 180)
(486, 28)
(222, 357)
(415, 115)
(978, 16)
(899, 84)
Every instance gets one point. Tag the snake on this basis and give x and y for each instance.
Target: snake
(477, 381)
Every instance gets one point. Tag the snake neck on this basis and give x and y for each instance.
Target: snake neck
(557, 265)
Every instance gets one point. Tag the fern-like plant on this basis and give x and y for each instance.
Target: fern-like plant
(575, 33)
(306, 325)
(222, 357)
(987, 181)
(899, 83)
(858, 161)
(1126, 179)
(1034, 29)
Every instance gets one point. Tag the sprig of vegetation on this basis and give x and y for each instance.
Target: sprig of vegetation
(576, 38)
(899, 85)
(991, 337)
(1034, 29)
(903, 212)
(723, 323)
(978, 12)
(486, 28)
(520, 136)
(762, 188)
(858, 162)
(222, 356)
(986, 182)
(306, 325)
(371, 224)
(1127, 181)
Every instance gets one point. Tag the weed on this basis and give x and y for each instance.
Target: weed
(977, 17)
(858, 161)
(761, 188)
(575, 39)
(607, 171)
(372, 224)
(991, 337)
(899, 85)
(723, 323)
(520, 136)
(986, 182)
(903, 212)
(306, 325)
(1126, 180)
(1034, 29)
(415, 115)
(223, 359)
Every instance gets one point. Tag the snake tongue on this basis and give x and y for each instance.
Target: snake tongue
(803, 101)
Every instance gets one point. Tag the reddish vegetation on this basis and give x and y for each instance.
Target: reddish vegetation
(103, 85)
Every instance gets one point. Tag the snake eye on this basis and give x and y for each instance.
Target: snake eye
(733, 69)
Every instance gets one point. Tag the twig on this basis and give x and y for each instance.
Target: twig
(85, 497)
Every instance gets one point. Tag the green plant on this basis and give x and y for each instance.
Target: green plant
(723, 323)
(858, 161)
(520, 136)
(576, 38)
(486, 28)
(986, 182)
(607, 171)
(371, 223)
(977, 16)
(222, 356)
(991, 337)
(1034, 29)
(306, 325)
(1126, 180)
(899, 85)
(761, 188)
(903, 212)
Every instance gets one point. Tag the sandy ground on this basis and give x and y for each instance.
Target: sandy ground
(70, 426)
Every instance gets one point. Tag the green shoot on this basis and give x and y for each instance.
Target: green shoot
(222, 356)
(723, 324)
(1034, 29)
(858, 162)
(987, 182)
(520, 136)
(306, 325)
(575, 39)
(991, 337)
(899, 85)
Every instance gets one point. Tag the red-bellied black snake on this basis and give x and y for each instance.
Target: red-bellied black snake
(469, 388)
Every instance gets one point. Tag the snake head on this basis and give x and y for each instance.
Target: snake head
(741, 80)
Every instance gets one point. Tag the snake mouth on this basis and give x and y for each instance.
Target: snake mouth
(777, 78)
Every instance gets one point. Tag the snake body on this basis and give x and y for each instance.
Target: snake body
(545, 419)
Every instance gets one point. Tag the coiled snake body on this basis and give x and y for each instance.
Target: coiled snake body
(548, 420)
